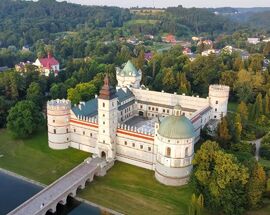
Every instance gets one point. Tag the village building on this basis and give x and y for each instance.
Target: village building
(47, 65)
(253, 41)
(169, 39)
(149, 129)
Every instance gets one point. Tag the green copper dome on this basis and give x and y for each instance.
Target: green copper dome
(129, 70)
(176, 127)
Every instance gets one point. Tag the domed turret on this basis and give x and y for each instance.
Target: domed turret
(129, 76)
(174, 138)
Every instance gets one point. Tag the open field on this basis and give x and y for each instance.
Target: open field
(141, 21)
(132, 190)
(33, 158)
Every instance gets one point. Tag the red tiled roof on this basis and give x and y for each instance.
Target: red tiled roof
(48, 62)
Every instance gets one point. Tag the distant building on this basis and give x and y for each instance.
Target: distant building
(26, 48)
(148, 56)
(4, 68)
(169, 39)
(187, 51)
(22, 66)
(47, 65)
(207, 43)
(210, 51)
(266, 40)
(253, 41)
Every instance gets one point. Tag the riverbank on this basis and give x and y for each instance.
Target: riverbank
(102, 209)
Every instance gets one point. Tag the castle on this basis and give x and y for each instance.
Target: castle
(149, 129)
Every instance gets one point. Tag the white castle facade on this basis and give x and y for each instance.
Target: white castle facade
(149, 129)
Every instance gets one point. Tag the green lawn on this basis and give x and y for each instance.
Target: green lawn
(132, 190)
(33, 158)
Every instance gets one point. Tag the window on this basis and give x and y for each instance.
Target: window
(90, 134)
(67, 139)
(113, 104)
(141, 146)
(215, 109)
(67, 130)
(103, 104)
(168, 152)
(215, 117)
(156, 109)
(149, 108)
(104, 141)
(54, 131)
(169, 141)
(168, 111)
(186, 152)
(133, 144)
(153, 108)
(163, 110)
(149, 149)
(152, 115)
(83, 132)
(103, 122)
(216, 102)
(141, 106)
(125, 142)
(74, 130)
(53, 121)
(103, 115)
(103, 131)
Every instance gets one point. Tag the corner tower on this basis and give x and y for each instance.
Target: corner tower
(129, 76)
(58, 116)
(175, 139)
(107, 121)
(218, 99)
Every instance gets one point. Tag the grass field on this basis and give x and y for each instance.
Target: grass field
(33, 158)
(132, 190)
(141, 21)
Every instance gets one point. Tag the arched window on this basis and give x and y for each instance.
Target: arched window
(103, 104)
(186, 152)
(168, 151)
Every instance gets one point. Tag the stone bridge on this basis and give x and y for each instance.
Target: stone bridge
(57, 193)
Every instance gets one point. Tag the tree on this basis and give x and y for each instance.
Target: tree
(58, 91)
(242, 110)
(266, 104)
(168, 81)
(223, 133)
(82, 92)
(24, 119)
(238, 127)
(34, 94)
(256, 186)
(220, 179)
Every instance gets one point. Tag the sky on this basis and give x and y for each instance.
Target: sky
(184, 3)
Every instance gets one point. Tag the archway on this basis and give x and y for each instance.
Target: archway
(103, 154)
(141, 113)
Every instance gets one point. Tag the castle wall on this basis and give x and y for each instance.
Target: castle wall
(167, 99)
(135, 148)
(83, 135)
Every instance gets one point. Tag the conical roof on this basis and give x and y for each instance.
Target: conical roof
(129, 70)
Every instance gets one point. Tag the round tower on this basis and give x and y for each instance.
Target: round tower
(174, 138)
(218, 99)
(58, 116)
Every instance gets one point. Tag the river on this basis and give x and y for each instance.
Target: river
(14, 191)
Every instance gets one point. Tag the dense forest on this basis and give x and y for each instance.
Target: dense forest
(25, 22)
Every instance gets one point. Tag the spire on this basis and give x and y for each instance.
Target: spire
(107, 91)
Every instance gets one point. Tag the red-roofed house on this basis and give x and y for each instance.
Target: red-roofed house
(47, 65)
(170, 39)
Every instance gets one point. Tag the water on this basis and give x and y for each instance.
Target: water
(14, 191)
